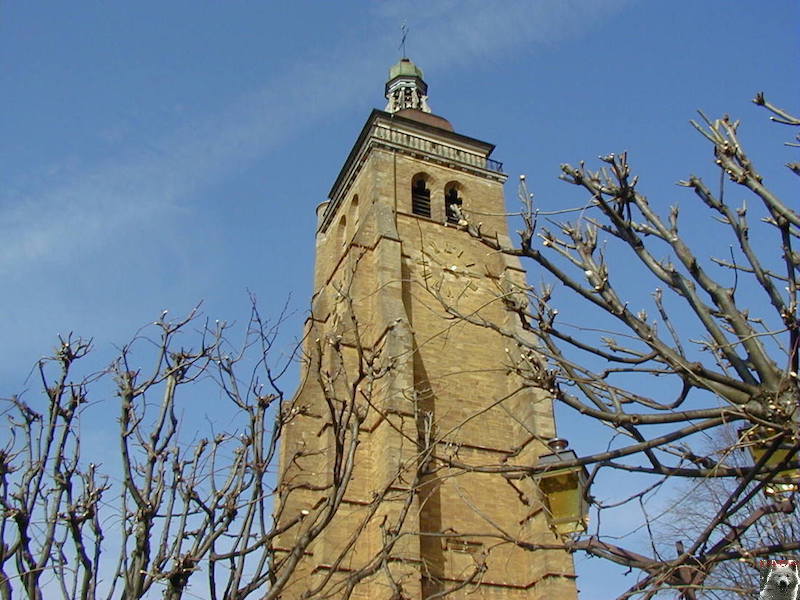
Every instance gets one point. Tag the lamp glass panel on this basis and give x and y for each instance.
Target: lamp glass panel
(785, 481)
(564, 500)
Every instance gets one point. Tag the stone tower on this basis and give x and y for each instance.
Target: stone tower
(384, 492)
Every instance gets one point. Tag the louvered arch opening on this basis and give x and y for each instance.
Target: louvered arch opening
(420, 196)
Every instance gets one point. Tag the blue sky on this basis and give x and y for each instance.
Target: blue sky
(158, 154)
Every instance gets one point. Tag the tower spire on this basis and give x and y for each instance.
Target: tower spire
(406, 88)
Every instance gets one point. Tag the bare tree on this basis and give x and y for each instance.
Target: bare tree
(172, 511)
(172, 508)
(719, 349)
(697, 498)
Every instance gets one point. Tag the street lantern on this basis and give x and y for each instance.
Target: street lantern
(759, 440)
(563, 489)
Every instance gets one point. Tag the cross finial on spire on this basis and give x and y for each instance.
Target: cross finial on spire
(403, 34)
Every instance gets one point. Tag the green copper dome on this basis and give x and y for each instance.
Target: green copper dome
(405, 68)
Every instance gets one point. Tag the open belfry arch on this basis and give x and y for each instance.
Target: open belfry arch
(398, 399)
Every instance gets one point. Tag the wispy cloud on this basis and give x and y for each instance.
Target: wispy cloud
(91, 240)
(96, 201)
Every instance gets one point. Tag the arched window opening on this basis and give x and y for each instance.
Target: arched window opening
(341, 231)
(420, 198)
(452, 204)
(354, 213)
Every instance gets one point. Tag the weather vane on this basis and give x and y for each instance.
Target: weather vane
(403, 34)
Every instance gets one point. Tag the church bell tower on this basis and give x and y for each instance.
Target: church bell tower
(408, 396)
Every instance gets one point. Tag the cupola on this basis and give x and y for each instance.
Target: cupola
(406, 88)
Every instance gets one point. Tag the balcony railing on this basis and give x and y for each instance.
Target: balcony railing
(437, 149)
